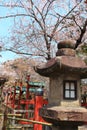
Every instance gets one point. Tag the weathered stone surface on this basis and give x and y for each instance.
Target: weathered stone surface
(82, 127)
(56, 90)
(66, 44)
(61, 64)
(67, 52)
(76, 114)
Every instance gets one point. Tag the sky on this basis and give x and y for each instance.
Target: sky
(5, 26)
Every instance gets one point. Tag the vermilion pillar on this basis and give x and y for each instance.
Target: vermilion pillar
(38, 105)
(14, 94)
(20, 95)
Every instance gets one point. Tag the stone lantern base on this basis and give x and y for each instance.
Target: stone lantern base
(65, 118)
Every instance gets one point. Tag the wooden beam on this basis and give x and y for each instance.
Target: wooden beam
(11, 115)
(15, 127)
(32, 121)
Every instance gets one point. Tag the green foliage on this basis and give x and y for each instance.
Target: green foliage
(82, 52)
(84, 49)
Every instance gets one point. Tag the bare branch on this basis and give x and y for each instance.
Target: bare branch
(58, 23)
(47, 10)
(14, 15)
(12, 5)
(73, 17)
(22, 53)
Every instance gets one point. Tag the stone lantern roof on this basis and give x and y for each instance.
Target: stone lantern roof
(65, 61)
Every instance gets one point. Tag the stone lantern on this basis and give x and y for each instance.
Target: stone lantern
(65, 72)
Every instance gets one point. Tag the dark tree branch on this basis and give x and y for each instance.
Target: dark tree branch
(14, 15)
(73, 17)
(23, 53)
(83, 30)
(42, 26)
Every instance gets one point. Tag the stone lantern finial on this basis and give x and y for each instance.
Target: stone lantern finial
(66, 48)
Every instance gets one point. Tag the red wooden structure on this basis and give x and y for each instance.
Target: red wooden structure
(29, 99)
(39, 102)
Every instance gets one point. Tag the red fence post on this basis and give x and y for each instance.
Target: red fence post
(14, 94)
(38, 105)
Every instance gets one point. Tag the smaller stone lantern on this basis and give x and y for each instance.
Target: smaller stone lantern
(65, 72)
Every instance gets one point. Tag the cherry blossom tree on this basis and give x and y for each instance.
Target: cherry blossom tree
(40, 24)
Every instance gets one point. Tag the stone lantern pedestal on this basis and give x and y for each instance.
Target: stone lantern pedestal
(64, 118)
(65, 72)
